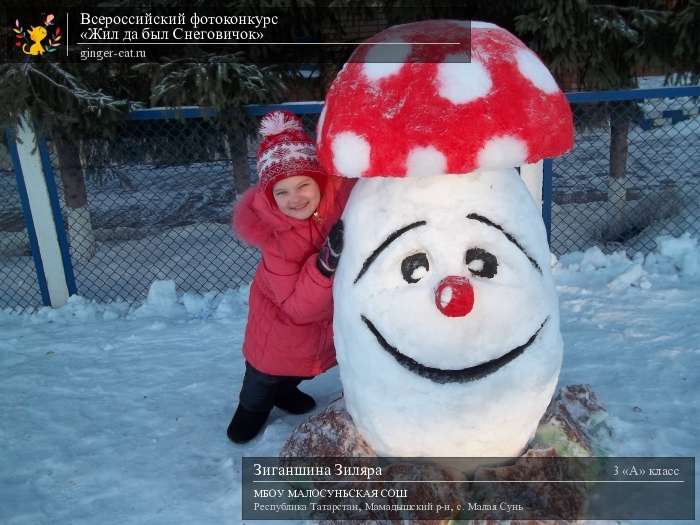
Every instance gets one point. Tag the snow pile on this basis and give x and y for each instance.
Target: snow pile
(682, 252)
(163, 301)
(77, 310)
(675, 258)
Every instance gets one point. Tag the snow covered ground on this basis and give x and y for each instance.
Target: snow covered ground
(116, 413)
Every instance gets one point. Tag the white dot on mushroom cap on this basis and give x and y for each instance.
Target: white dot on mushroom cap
(385, 59)
(425, 161)
(475, 24)
(532, 68)
(460, 81)
(502, 152)
(483, 25)
(350, 154)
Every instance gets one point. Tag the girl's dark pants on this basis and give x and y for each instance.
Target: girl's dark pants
(260, 389)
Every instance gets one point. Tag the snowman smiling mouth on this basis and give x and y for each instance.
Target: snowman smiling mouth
(464, 375)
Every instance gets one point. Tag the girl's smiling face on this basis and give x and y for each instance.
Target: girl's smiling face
(297, 196)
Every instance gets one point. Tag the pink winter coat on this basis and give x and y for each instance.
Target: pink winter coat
(290, 317)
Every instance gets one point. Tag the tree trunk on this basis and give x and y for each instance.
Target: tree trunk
(617, 181)
(237, 146)
(80, 234)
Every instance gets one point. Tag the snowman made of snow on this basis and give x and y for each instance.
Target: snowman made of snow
(446, 318)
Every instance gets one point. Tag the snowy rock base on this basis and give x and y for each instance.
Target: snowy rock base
(570, 427)
(330, 433)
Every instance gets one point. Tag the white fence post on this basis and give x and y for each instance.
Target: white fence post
(41, 213)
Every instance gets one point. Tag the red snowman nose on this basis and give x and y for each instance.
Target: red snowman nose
(454, 296)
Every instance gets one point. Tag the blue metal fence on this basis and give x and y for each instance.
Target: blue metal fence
(159, 204)
(160, 195)
(634, 173)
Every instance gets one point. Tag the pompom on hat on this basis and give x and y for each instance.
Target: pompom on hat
(285, 151)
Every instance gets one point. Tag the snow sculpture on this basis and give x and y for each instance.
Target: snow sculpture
(446, 318)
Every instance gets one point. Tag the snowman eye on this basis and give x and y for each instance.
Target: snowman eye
(414, 267)
(481, 263)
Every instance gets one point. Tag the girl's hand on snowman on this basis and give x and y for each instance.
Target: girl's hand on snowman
(329, 255)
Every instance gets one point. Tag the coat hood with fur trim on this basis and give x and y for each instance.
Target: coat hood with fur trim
(257, 222)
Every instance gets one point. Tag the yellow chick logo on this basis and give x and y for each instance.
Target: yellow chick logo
(36, 34)
(31, 41)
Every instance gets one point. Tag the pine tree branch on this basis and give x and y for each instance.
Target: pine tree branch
(630, 9)
(30, 67)
(65, 74)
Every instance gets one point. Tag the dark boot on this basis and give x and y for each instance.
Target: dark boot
(294, 401)
(245, 425)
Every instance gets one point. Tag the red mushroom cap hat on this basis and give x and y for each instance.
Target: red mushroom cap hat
(436, 112)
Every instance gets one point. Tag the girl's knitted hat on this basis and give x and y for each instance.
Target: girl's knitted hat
(285, 151)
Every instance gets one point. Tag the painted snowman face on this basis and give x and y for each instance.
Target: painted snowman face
(446, 320)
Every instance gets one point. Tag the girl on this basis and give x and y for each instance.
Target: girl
(291, 215)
